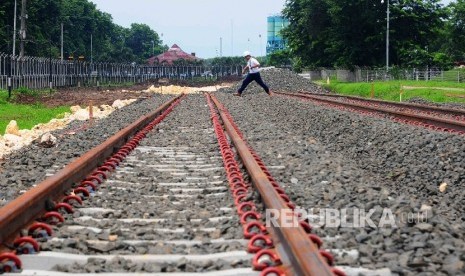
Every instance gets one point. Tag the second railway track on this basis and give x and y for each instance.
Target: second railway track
(441, 119)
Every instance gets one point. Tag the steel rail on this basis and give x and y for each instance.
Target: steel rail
(438, 122)
(24, 209)
(300, 256)
(421, 107)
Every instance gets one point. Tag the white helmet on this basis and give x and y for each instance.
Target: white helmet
(247, 53)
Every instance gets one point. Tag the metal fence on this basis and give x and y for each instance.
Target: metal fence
(368, 75)
(39, 73)
(427, 74)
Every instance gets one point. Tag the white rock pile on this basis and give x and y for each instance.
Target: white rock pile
(175, 89)
(15, 138)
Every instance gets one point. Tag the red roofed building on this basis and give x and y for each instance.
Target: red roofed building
(174, 53)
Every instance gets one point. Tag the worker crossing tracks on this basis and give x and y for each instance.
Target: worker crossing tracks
(159, 203)
(434, 118)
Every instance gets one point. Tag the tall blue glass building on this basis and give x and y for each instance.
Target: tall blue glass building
(275, 40)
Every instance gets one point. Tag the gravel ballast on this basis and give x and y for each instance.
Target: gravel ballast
(169, 197)
(30, 165)
(343, 160)
(326, 159)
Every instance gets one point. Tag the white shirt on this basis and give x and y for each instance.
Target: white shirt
(252, 63)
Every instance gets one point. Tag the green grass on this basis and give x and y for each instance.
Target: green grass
(390, 90)
(26, 116)
(451, 75)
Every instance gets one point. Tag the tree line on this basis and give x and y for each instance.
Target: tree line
(83, 25)
(334, 33)
(88, 33)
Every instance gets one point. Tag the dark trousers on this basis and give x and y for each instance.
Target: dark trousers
(253, 77)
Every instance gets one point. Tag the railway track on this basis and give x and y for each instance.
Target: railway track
(344, 161)
(322, 158)
(436, 118)
(177, 191)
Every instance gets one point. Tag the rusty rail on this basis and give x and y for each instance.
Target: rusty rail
(421, 107)
(24, 209)
(300, 256)
(429, 120)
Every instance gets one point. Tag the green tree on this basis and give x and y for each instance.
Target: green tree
(455, 45)
(308, 31)
(352, 33)
(416, 45)
(6, 26)
(81, 20)
(225, 61)
(279, 58)
(139, 39)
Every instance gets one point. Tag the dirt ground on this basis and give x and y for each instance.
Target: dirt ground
(105, 95)
(82, 96)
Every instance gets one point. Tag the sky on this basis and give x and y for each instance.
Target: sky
(198, 26)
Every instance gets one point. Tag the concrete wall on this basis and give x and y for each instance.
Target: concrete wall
(325, 73)
(312, 75)
(315, 75)
(345, 76)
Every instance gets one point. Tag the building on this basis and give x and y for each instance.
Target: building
(173, 54)
(275, 40)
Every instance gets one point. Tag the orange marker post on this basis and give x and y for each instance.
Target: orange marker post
(400, 93)
(91, 113)
(372, 94)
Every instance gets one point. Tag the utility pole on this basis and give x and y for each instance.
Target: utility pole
(8, 33)
(387, 33)
(221, 47)
(50, 65)
(61, 41)
(153, 48)
(387, 36)
(8, 68)
(22, 32)
(14, 29)
(91, 50)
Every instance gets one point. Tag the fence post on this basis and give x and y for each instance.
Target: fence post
(9, 68)
(78, 68)
(133, 73)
